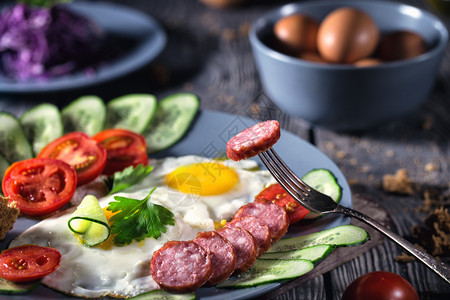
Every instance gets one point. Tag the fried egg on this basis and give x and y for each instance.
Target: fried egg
(199, 191)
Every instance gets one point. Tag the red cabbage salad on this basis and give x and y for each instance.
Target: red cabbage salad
(38, 43)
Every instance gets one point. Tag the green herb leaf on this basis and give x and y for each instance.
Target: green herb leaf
(44, 3)
(138, 219)
(129, 177)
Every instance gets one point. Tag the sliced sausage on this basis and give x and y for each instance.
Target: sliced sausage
(253, 140)
(222, 255)
(274, 216)
(257, 228)
(244, 245)
(181, 266)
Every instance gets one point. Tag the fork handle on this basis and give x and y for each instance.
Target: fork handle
(435, 265)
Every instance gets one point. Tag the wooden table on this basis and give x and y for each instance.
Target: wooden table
(208, 53)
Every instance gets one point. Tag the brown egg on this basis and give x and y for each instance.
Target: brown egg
(347, 35)
(401, 45)
(222, 3)
(367, 62)
(311, 56)
(296, 33)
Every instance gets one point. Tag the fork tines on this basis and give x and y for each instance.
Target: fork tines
(285, 176)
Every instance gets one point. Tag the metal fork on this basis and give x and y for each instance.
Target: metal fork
(323, 204)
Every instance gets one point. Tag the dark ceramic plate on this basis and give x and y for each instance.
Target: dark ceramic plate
(142, 32)
(208, 137)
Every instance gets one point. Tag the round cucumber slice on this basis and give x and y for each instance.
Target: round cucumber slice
(4, 164)
(325, 182)
(133, 112)
(314, 253)
(86, 114)
(265, 271)
(163, 295)
(340, 236)
(42, 124)
(89, 222)
(174, 116)
(14, 144)
(9, 287)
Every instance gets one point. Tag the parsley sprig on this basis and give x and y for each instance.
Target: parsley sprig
(44, 3)
(127, 177)
(138, 219)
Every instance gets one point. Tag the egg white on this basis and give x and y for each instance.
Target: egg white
(124, 271)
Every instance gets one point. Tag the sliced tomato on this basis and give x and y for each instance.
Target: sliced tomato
(83, 153)
(28, 262)
(124, 148)
(277, 194)
(39, 185)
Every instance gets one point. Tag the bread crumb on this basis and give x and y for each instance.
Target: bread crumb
(427, 201)
(431, 201)
(330, 146)
(434, 237)
(8, 215)
(255, 108)
(428, 123)
(430, 167)
(341, 154)
(229, 35)
(398, 183)
(244, 29)
(364, 169)
(353, 182)
(390, 153)
(403, 257)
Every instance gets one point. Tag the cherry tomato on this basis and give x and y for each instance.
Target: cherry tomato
(380, 285)
(28, 262)
(84, 154)
(124, 148)
(39, 185)
(277, 194)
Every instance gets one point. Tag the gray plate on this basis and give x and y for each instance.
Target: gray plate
(148, 36)
(207, 137)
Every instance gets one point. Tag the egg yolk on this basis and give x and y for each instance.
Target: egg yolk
(108, 243)
(205, 179)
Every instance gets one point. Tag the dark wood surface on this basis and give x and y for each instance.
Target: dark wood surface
(208, 53)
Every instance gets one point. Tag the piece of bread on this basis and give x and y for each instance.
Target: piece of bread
(8, 216)
(398, 183)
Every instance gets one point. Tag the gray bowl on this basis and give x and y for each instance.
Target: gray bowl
(343, 97)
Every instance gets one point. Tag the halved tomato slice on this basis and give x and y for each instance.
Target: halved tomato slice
(277, 194)
(39, 185)
(84, 154)
(28, 262)
(124, 148)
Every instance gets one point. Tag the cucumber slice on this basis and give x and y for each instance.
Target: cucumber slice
(89, 222)
(314, 253)
(325, 182)
(265, 271)
(133, 112)
(42, 124)
(86, 114)
(9, 287)
(4, 164)
(344, 235)
(173, 118)
(14, 144)
(163, 295)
